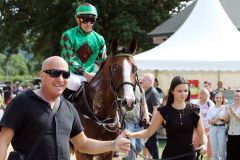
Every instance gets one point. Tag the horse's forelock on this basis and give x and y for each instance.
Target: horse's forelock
(122, 49)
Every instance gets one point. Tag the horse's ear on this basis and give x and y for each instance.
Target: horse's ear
(114, 46)
(132, 46)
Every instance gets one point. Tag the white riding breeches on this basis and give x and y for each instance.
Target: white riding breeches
(74, 81)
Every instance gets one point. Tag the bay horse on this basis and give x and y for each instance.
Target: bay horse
(101, 101)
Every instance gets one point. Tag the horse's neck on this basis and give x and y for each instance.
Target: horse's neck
(100, 92)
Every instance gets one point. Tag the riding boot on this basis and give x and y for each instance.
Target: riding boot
(67, 93)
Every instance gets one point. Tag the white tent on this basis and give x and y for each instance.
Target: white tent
(206, 41)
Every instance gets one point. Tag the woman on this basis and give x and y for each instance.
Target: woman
(180, 118)
(216, 118)
(204, 104)
(233, 117)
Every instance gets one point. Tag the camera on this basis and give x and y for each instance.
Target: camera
(143, 123)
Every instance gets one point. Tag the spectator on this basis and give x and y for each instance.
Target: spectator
(220, 86)
(153, 102)
(216, 118)
(208, 86)
(233, 119)
(156, 85)
(204, 104)
(7, 91)
(16, 89)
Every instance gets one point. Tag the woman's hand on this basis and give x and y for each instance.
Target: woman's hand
(127, 133)
(202, 149)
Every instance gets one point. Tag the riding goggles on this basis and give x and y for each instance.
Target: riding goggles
(85, 20)
(54, 73)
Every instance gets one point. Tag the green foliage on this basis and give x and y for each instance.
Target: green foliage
(125, 20)
(15, 68)
(37, 25)
(24, 79)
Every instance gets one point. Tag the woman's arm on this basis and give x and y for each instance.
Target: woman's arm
(202, 135)
(155, 124)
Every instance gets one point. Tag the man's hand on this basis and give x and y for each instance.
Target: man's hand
(122, 144)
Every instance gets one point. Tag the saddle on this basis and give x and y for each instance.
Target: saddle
(70, 95)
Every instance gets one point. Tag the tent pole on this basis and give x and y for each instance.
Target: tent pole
(156, 73)
(218, 74)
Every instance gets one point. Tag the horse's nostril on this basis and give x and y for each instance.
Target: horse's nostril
(124, 102)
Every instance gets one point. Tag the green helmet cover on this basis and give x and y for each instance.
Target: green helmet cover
(85, 9)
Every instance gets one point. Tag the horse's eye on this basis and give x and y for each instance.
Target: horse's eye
(134, 69)
(114, 67)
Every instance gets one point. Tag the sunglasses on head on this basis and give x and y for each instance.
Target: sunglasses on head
(54, 73)
(85, 20)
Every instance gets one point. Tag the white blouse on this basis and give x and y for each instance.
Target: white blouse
(234, 123)
(216, 112)
(204, 110)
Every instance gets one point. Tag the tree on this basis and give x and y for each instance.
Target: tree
(14, 65)
(37, 25)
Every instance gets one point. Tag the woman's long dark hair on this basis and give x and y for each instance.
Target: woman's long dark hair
(176, 81)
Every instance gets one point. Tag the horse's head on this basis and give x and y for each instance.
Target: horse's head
(123, 73)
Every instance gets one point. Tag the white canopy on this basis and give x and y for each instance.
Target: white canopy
(207, 40)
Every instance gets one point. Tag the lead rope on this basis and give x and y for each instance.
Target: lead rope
(170, 158)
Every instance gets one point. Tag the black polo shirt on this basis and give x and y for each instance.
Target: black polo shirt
(152, 98)
(27, 114)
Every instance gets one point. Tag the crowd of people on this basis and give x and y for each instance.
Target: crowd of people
(216, 113)
(9, 91)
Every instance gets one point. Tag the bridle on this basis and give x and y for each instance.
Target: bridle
(115, 88)
(117, 101)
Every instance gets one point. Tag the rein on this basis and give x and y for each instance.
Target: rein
(170, 158)
(95, 119)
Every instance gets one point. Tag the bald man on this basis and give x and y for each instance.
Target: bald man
(28, 112)
(153, 102)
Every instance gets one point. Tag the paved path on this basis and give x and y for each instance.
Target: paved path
(10, 149)
(72, 156)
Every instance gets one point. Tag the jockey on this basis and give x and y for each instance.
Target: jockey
(82, 48)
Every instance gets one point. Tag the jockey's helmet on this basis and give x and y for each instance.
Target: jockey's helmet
(86, 9)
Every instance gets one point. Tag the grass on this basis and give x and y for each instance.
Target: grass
(161, 143)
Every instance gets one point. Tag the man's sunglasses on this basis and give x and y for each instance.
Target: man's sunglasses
(54, 73)
(85, 20)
